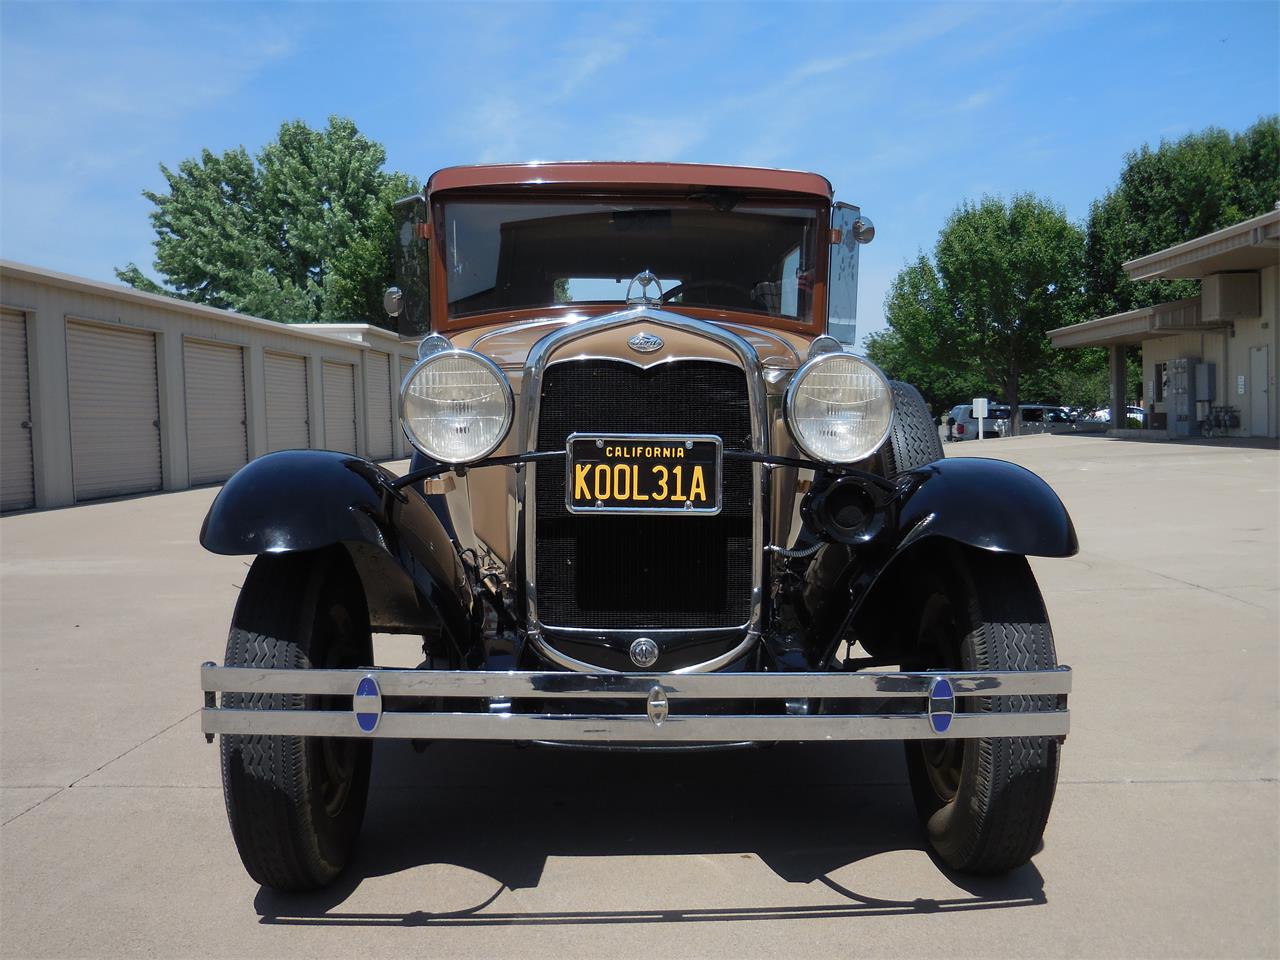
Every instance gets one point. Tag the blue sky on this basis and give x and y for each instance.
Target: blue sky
(907, 108)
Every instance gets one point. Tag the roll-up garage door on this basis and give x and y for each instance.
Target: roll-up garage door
(217, 443)
(17, 478)
(377, 378)
(288, 424)
(115, 411)
(339, 381)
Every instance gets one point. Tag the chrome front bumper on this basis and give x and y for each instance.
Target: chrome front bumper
(659, 717)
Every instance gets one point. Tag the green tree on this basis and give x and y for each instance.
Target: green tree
(302, 234)
(975, 317)
(1176, 192)
(1180, 190)
(922, 343)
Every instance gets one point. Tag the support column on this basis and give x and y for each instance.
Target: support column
(1119, 406)
(315, 400)
(255, 400)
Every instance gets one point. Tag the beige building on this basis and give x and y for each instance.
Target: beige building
(1210, 358)
(105, 390)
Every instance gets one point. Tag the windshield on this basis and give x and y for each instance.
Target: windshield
(501, 255)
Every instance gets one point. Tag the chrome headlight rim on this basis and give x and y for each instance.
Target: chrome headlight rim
(453, 353)
(788, 402)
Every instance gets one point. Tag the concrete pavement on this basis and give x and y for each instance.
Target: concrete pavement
(1163, 839)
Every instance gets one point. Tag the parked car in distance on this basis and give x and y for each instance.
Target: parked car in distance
(966, 424)
(1103, 415)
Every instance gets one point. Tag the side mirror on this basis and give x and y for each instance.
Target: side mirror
(393, 301)
(864, 231)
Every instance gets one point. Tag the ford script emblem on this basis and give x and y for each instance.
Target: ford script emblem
(645, 343)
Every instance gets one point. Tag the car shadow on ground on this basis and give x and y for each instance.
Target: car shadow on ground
(805, 811)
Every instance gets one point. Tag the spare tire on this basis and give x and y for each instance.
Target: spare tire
(914, 439)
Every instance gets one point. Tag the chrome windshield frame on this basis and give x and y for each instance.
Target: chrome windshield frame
(540, 357)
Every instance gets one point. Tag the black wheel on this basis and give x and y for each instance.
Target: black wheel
(295, 803)
(984, 803)
(913, 441)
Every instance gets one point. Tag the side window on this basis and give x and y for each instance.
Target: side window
(842, 278)
(413, 266)
(1034, 415)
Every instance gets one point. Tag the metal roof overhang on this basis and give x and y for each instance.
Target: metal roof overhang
(1135, 326)
(1251, 245)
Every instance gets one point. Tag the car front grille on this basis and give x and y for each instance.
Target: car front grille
(633, 572)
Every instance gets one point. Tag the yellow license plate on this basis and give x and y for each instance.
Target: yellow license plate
(622, 473)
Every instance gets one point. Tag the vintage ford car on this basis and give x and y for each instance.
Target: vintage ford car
(657, 502)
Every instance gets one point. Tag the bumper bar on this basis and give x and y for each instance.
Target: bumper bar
(658, 718)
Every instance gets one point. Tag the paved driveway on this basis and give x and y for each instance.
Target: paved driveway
(1163, 840)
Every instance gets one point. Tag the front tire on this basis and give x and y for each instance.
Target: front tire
(984, 803)
(295, 804)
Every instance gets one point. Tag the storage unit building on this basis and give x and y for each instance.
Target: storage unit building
(107, 391)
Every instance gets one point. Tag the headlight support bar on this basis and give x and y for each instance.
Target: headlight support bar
(511, 460)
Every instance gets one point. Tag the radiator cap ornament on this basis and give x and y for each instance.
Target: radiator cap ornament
(645, 279)
(644, 652)
(645, 342)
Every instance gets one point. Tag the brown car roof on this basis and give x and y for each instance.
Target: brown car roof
(629, 176)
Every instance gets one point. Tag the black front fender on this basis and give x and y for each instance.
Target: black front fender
(989, 504)
(986, 504)
(299, 500)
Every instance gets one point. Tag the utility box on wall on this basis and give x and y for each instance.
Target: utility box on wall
(1206, 382)
(1182, 396)
(1226, 297)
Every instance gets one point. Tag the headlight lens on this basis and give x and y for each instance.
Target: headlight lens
(839, 408)
(456, 406)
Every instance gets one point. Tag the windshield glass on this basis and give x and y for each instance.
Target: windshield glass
(501, 255)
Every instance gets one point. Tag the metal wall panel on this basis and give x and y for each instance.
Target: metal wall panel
(339, 381)
(115, 411)
(217, 441)
(288, 419)
(17, 476)
(377, 379)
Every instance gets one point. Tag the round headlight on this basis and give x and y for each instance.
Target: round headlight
(456, 406)
(839, 408)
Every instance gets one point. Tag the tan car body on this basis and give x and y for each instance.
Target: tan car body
(485, 500)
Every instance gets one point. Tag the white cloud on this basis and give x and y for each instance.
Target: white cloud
(977, 100)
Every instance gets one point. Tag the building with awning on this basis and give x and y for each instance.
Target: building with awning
(1210, 358)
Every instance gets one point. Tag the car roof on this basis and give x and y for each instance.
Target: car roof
(630, 176)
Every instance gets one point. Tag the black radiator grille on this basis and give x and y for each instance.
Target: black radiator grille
(604, 571)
